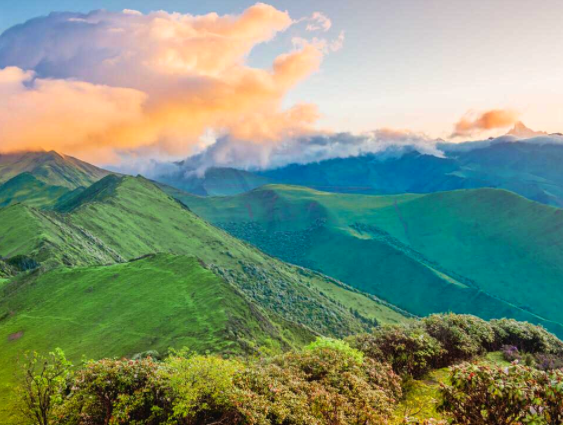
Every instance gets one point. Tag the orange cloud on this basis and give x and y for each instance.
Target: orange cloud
(490, 120)
(126, 80)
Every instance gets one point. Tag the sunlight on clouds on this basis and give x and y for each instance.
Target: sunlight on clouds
(97, 83)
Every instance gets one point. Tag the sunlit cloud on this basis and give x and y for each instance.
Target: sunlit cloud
(472, 123)
(102, 83)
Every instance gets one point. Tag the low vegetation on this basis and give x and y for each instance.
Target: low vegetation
(366, 379)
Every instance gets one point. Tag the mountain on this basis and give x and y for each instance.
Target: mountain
(25, 187)
(42, 178)
(121, 268)
(484, 251)
(521, 131)
(214, 181)
(529, 168)
(50, 167)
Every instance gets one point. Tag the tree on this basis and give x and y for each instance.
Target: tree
(43, 383)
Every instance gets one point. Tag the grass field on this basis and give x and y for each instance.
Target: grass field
(154, 303)
(484, 251)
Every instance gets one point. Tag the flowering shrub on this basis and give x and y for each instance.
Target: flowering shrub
(115, 392)
(484, 395)
(526, 337)
(511, 353)
(461, 336)
(409, 349)
(320, 385)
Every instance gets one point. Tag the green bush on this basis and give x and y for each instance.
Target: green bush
(409, 349)
(485, 395)
(320, 385)
(116, 392)
(461, 336)
(526, 337)
(202, 388)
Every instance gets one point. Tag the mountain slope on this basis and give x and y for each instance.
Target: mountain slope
(142, 219)
(484, 251)
(26, 188)
(51, 168)
(119, 219)
(41, 179)
(154, 303)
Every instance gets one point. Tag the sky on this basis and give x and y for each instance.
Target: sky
(443, 68)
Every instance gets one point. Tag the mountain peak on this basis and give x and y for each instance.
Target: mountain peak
(520, 130)
(50, 167)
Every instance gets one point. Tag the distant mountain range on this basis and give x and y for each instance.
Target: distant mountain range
(529, 167)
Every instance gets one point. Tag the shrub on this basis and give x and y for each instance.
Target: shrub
(526, 337)
(320, 385)
(511, 353)
(461, 336)
(547, 362)
(409, 349)
(484, 395)
(202, 388)
(116, 392)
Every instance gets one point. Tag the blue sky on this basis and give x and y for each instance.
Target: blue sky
(405, 63)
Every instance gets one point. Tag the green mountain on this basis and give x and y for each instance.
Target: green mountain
(51, 168)
(530, 168)
(122, 268)
(486, 252)
(40, 179)
(214, 181)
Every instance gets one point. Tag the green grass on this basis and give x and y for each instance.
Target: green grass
(135, 218)
(28, 189)
(155, 303)
(51, 168)
(486, 252)
(205, 289)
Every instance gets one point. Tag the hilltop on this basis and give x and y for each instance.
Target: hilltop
(42, 178)
(486, 252)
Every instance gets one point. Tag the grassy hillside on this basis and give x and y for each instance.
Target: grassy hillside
(155, 222)
(119, 219)
(27, 188)
(486, 252)
(40, 179)
(50, 167)
(154, 303)
(122, 267)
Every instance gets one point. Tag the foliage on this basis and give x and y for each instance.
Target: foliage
(113, 392)
(526, 337)
(202, 387)
(461, 336)
(484, 395)
(321, 385)
(43, 380)
(409, 349)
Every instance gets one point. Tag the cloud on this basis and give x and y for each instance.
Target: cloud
(318, 21)
(472, 123)
(65, 115)
(305, 149)
(100, 84)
